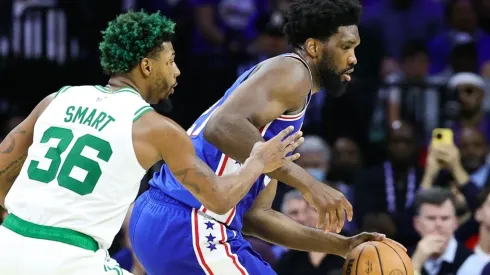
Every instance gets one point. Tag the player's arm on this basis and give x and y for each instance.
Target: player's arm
(274, 89)
(271, 91)
(218, 194)
(13, 149)
(263, 222)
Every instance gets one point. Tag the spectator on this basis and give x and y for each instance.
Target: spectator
(301, 262)
(391, 186)
(470, 91)
(438, 252)
(482, 216)
(315, 158)
(400, 21)
(269, 42)
(464, 171)
(411, 94)
(345, 164)
(295, 207)
(462, 19)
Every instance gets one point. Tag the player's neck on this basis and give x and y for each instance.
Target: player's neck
(316, 79)
(120, 81)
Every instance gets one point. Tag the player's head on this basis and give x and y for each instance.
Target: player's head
(139, 44)
(326, 31)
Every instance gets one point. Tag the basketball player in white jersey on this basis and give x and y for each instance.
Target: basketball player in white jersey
(69, 172)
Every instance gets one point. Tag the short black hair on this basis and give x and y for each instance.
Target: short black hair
(131, 37)
(319, 18)
(434, 196)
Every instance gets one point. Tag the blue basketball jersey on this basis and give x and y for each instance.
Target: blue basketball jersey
(221, 163)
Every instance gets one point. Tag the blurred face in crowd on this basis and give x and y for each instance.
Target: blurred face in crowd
(315, 163)
(402, 144)
(346, 160)
(314, 157)
(463, 16)
(471, 98)
(482, 215)
(436, 219)
(416, 67)
(297, 210)
(473, 148)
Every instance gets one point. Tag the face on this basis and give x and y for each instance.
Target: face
(436, 219)
(315, 163)
(162, 73)
(471, 98)
(482, 215)
(337, 59)
(464, 16)
(297, 210)
(416, 66)
(473, 149)
(346, 160)
(402, 144)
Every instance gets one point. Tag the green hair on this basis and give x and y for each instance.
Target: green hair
(131, 37)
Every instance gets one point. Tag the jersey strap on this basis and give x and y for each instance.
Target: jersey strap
(62, 90)
(141, 111)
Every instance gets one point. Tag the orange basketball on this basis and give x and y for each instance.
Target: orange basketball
(378, 258)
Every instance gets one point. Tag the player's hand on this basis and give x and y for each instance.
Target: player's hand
(358, 239)
(331, 205)
(273, 152)
(428, 246)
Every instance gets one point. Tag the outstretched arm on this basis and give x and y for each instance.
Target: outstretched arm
(274, 227)
(13, 149)
(219, 194)
(280, 85)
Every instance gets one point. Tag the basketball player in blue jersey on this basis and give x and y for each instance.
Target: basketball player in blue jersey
(172, 232)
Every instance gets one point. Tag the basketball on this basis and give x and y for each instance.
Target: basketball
(378, 258)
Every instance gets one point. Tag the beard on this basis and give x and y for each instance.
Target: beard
(330, 79)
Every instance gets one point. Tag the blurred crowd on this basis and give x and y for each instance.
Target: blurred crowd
(422, 64)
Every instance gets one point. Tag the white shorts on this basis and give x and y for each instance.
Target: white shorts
(21, 255)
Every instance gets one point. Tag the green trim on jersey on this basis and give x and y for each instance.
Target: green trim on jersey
(141, 111)
(50, 233)
(62, 90)
(124, 89)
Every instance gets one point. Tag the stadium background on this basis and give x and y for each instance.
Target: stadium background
(408, 81)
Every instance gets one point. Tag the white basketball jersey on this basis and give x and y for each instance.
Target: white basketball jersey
(81, 171)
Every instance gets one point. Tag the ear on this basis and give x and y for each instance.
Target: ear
(145, 66)
(313, 47)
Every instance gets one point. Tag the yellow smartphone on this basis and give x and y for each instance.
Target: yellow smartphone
(442, 136)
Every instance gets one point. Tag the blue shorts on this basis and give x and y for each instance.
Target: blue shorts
(169, 237)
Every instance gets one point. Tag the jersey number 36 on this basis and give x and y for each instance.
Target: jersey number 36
(73, 159)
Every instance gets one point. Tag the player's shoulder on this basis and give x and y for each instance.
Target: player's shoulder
(158, 126)
(290, 68)
(290, 76)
